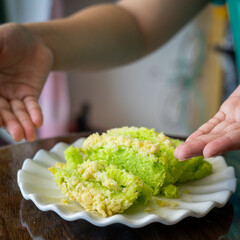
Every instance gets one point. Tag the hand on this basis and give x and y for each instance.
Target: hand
(24, 65)
(220, 134)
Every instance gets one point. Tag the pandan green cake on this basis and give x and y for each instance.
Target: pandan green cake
(100, 187)
(138, 162)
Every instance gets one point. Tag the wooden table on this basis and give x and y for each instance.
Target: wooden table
(21, 219)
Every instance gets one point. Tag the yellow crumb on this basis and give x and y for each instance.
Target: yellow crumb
(65, 201)
(162, 203)
(60, 165)
(148, 209)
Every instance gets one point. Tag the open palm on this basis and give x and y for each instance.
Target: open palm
(24, 65)
(220, 134)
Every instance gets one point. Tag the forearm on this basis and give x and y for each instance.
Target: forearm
(159, 20)
(95, 38)
(110, 35)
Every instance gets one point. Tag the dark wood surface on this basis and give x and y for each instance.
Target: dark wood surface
(21, 219)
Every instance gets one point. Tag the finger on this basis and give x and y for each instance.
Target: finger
(208, 126)
(233, 127)
(34, 111)
(177, 152)
(10, 122)
(228, 142)
(20, 111)
(222, 126)
(195, 134)
(194, 148)
(189, 149)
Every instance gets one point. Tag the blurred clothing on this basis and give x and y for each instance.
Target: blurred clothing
(55, 100)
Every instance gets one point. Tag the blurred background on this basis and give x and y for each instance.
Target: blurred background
(174, 90)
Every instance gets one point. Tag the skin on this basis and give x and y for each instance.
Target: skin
(99, 37)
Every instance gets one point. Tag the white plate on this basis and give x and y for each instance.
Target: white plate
(198, 197)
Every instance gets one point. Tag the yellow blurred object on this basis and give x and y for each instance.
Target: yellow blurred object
(220, 12)
(213, 21)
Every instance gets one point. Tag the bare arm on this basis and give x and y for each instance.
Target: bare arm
(108, 35)
(160, 20)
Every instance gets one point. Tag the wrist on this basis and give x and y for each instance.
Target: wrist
(43, 37)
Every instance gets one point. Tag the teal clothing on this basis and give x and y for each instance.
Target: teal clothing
(234, 13)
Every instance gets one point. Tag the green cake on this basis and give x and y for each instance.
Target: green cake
(140, 154)
(100, 187)
(146, 154)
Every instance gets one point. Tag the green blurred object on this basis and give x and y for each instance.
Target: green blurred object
(2, 12)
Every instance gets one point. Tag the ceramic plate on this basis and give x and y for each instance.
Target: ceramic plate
(198, 197)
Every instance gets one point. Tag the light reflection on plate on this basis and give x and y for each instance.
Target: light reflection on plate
(198, 197)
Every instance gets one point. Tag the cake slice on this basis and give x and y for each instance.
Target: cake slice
(177, 172)
(146, 154)
(97, 186)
